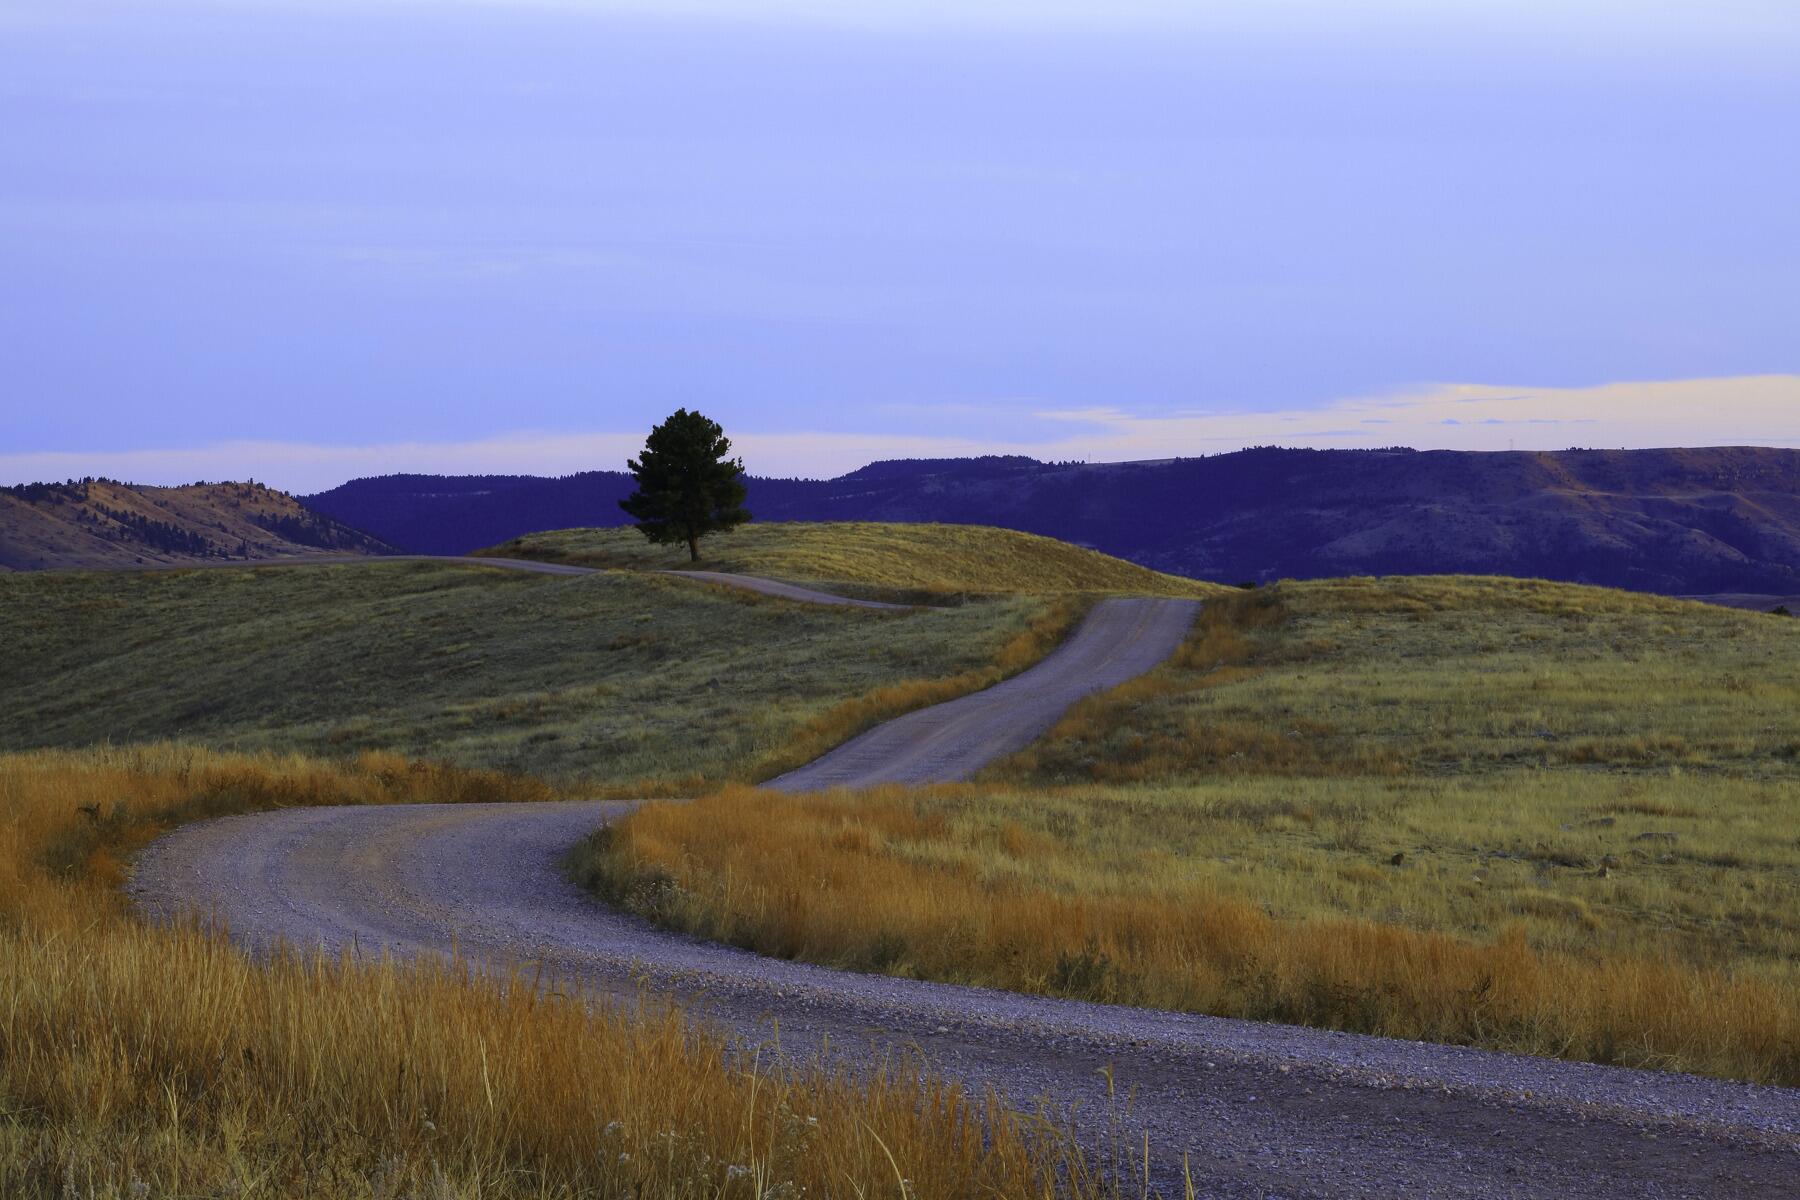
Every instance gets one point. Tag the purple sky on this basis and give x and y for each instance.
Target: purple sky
(303, 241)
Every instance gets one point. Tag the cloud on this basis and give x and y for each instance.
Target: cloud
(1660, 19)
(1749, 410)
(1762, 410)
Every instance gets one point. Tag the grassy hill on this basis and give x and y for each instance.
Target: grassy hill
(102, 523)
(889, 557)
(628, 682)
(1526, 815)
(608, 678)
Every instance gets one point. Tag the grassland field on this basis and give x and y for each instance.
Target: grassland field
(140, 1061)
(1531, 816)
(628, 682)
(926, 562)
(1522, 815)
(136, 1060)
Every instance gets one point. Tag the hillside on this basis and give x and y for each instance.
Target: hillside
(1531, 816)
(1678, 521)
(609, 678)
(455, 514)
(903, 558)
(103, 523)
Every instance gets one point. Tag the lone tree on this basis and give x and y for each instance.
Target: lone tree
(686, 486)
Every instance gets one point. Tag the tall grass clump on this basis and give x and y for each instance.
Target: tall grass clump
(137, 1060)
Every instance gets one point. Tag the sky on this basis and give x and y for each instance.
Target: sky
(304, 241)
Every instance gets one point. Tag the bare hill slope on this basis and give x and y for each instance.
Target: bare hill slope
(103, 523)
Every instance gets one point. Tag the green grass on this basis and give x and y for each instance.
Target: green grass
(1521, 814)
(1532, 816)
(608, 679)
(1611, 772)
(884, 559)
(1449, 677)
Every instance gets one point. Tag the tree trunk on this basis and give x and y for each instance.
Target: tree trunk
(693, 548)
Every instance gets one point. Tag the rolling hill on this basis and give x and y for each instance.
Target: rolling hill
(1680, 521)
(613, 678)
(102, 523)
(886, 558)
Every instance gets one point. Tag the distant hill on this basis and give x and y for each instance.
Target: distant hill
(454, 514)
(1676, 521)
(103, 523)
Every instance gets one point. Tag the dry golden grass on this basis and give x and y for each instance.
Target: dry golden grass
(144, 1061)
(951, 884)
(1590, 794)
(909, 560)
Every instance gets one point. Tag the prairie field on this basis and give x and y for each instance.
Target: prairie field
(143, 1061)
(1527, 816)
(1445, 678)
(890, 561)
(629, 682)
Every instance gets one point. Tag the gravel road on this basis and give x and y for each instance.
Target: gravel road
(1260, 1110)
(754, 583)
(1119, 640)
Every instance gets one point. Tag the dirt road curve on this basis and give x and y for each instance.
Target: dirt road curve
(1261, 1110)
(1265, 1111)
(786, 591)
(1119, 640)
(754, 583)
(768, 587)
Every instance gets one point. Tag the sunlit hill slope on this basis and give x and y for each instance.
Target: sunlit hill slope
(103, 523)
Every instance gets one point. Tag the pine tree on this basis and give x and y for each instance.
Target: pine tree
(687, 487)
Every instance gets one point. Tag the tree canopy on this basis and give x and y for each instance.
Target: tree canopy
(687, 486)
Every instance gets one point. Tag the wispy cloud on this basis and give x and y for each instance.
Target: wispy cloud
(1751, 410)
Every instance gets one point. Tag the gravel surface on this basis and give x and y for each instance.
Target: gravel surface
(1261, 1110)
(768, 587)
(1119, 640)
(1258, 1110)
(787, 591)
